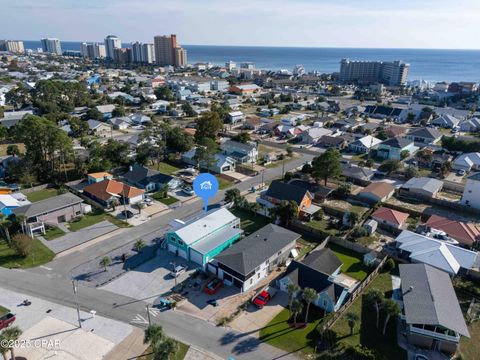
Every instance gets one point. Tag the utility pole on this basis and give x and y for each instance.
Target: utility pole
(148, 315)
(76, 303)
(283, 168)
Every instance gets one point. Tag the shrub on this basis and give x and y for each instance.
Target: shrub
(22, 244)
(389, 264)
(359, 232)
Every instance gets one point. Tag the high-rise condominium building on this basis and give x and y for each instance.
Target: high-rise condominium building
(52, 46)
(112, 42)
(168, 51)
(12, 46)
(122, 55)
(143, 53)
(371, 72)
(92, 51)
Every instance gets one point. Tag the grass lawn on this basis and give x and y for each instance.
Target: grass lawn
(277, 163)
(323, 225)
(94, 218)
(278, 333)
(169, 200)
(250, 222)
(165, 168)
(3, 311)
(4, 147)
(305, 247)
(469, 348)
(366, 333)
(53, 233)
(223, 183)
(352, 262)
(42, 194)
(365, 240)
(179, 355)
(10, 259)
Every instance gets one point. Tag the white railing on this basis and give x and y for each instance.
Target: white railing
(435, 334)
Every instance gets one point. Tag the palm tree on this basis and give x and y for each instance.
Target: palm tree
(153, 335)
(4, 346)
(309, 295)
(139, 245)
(22, 221)
(114, 203)
(292, 289)
(140, 206)
(106, 261)
(12, 334)
(165, 350)
(297, 308)
(377, 298)
(392, 309)
(352, 321)
(5, 223)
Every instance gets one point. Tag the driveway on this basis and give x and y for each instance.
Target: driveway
(253, 319)
(75, 238)
(150, 280)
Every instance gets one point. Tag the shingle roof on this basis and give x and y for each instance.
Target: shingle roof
(398, 143)
(424, 183)
(104, 190)
(246, 147)
(429, 298)
(380, 189)
(283, 191)
(428, 133)
(324, 261)
(465, 233)
(247, 254)
(47, 205)
(143, 175)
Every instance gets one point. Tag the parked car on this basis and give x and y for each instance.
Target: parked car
(461, 172)
(188, 191)
(127, 214)
(178, 270)
(264, 297)
(213, 286)
(6, 320)
(148, 201)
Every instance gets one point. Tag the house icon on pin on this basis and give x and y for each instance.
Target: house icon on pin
(206, 185)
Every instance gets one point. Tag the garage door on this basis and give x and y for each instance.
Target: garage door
(182, 253)
(172, 248)
(212, 269)
(196, 257)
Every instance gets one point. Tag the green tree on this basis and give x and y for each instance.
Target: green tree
(352, 319)
(296, 309)
(4, 348)
(2, 112)
(118, 111)
(164, 93)
(105, 262)
(79, 127)
(93, 114)
(242, 137)
(154, 336)
(19, 97)
(208, 126)
(411, 172)
(139, 245)
(177, 140)
(309, 295)
(114, 203)
(166, 350)
(327, 166)
(13, 150)
(12, 334)
(286, 211)
(233, 195)
(140, 205)
(188, 109)
(205, 153)
(390, 166)
(5, 224)
(353, 218)
(392, 310)
(289, 150)
(376, 298)
(23, 244)
(292, 290)
(404, 154)
(445, 169)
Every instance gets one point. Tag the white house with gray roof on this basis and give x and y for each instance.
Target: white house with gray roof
(430, 309)
(243, 153)
(422, 186)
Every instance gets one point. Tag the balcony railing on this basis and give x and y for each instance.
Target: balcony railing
(434, 334)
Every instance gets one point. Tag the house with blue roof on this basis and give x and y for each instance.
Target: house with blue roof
(200, 240)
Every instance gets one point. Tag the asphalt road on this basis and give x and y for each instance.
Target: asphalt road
(52, 282)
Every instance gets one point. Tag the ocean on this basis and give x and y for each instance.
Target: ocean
(427, 64)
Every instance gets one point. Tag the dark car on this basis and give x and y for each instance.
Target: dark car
(127, 214)
(213, 286)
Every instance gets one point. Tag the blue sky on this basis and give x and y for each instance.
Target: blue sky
(320, 23)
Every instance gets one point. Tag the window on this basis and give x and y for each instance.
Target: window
(279, 253)
(251, 281)
(258, 276)
(257, 269)
(180, 242)
(268, 260)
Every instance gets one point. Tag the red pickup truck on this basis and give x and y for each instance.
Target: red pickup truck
(6, 320)
(264, 297)
(213, 286)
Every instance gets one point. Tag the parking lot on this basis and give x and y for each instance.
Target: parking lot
(152, 279)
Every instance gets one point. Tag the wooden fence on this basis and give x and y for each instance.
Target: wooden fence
(354, 295)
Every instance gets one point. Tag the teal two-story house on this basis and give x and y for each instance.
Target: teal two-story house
(201, 239)
(318, 270)
(393, 148)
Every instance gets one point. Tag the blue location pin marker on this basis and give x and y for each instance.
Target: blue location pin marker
(205, 186)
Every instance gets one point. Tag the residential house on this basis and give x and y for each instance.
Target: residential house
(93, 178)
(471, 192)
(389, 217)
(202, 239)
(392, 149)
(98, 127)
(149, 179)
(320, 193)
(104, 192)
(120, 123)
(140, 119)
(382, 112)
(248, 262)
(314, 134)
(336, 142)
(371, 226)
(377, 192)
(221, 164)
(9, 202)
(357, 174)
(318, 270)
(425, 136)
(430, 309)
(450, 258)
(466, 234)
(422, 186)
(279, 191)
(467, 162)
(235, 117)
(252, 122)
(364, 144)
(446, 121)
(471, 125)
(241, 152)
(395, 131)
(106, 110)
(54, 210)
(244, 89)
